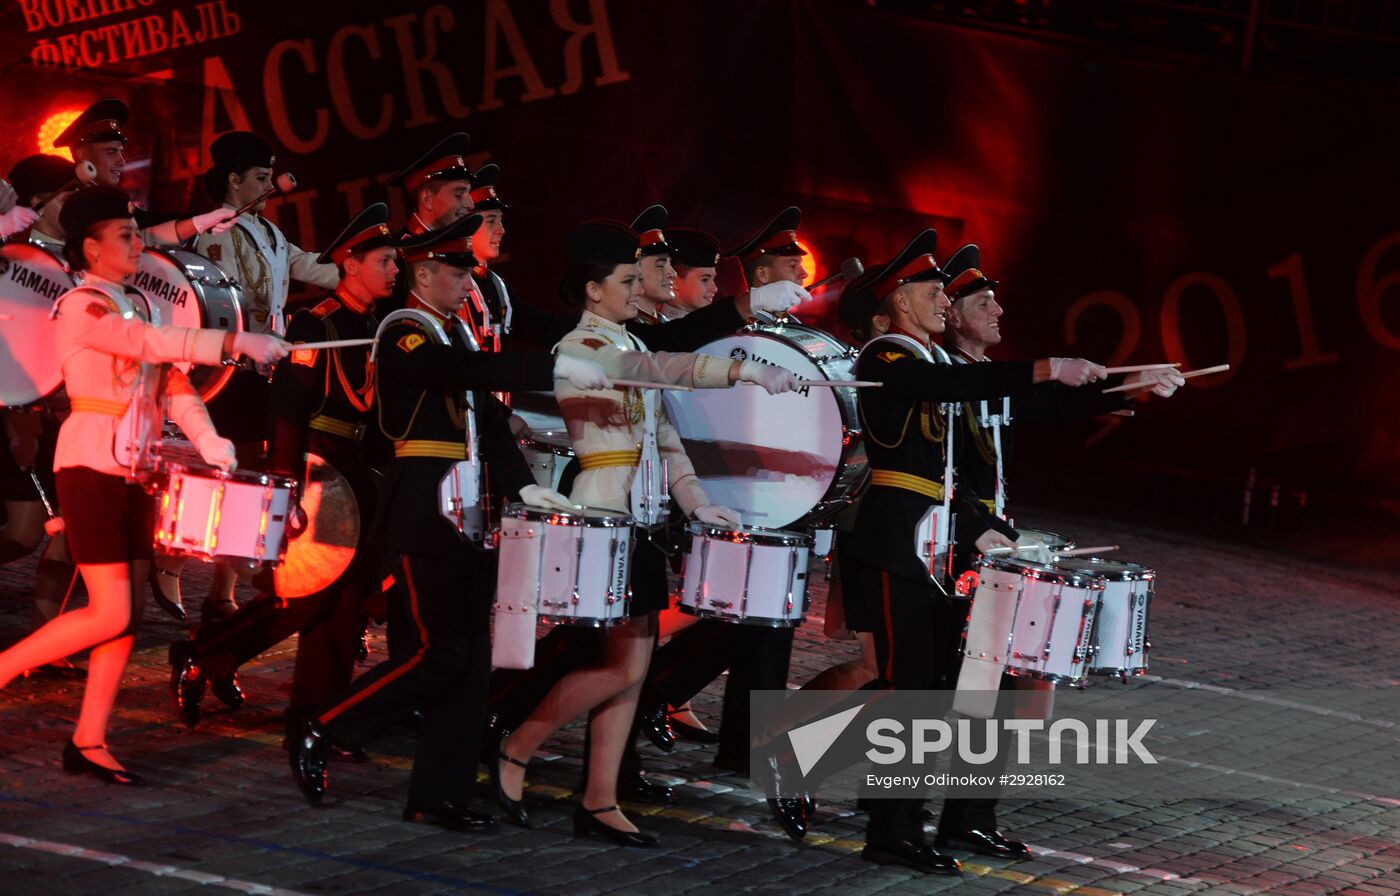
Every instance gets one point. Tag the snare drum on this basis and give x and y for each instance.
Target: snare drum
(572, 566)
(1120, 642)
(548, 452)
(1032, 619)
(785, 461)
(192, 291)
(31, 278)
(750, 576)
(206, 513)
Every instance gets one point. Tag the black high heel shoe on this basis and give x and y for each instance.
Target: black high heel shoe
(586, 822)
(75, 763)
(172, 605)
(515, 810)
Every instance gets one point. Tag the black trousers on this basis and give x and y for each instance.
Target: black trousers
(909, 621)
(439, 618)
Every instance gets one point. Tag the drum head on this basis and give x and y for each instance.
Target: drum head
(189, 290)
(772, 458)
(1114, 570)
(1051, 540)
(321, 553)
(30, 280)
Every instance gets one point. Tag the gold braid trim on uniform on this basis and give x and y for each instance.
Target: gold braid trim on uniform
(430, 448)
(259, 286)
(361, 399)
(926, 425)
(636, 408)
(980, 437)
(908, 482)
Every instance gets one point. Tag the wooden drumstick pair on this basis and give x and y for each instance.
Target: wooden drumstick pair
(1204, 371)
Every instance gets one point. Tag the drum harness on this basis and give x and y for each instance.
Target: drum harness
(981, 424)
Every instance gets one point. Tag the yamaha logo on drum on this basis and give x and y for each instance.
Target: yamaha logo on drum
(156, 287)
(32, 280)
(738, 354)
(4, 265)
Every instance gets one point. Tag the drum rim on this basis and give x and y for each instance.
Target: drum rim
(544, 447)
(1063, 542)
(246, 477)
(758, 535)
(1045, 572)
(216, 384)
(1139, 573)
(614, 519)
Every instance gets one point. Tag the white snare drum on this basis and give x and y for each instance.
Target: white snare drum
(751, 576)
(206, 513)
(784, 461)
(548, 451)
(31, 278)
(572, 566)
(1032, 619)
(192, 291)
(1120, 642)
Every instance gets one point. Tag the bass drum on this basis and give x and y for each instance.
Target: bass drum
(781, 461)
(192, 291)
(31, 279)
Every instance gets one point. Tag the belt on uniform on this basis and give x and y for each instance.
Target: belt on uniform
(430, 448)
(355, 432)
(907, 481)
(106, 407)
(627, 458)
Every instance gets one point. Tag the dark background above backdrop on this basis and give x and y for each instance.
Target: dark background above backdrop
(1146, 186)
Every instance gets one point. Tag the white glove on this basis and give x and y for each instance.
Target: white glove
(217, 451)
(581, 373)
(548, 498)
(776, 380)
(8, 196)
(992, 539)
(1075, 371)
(262, 349)
(779, 296)
(715, 515)
(217, 221)
(1160, 382)
(17, 219)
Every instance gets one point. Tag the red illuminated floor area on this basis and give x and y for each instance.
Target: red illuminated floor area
(219, 812)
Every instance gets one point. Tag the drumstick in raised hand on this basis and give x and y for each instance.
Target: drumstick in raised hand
(1080, 552)
(332, 343)
(642, 384)
(1139, 368)
(1219, 368)
(834, 384)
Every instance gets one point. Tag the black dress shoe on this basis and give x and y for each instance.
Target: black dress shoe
(362, 643)
(160, 580)
(514, 809)
(691, 733)
(911, 854)
(75, 763)
(356, 755)
(186, 684)
(657, 729)
(586, 822)
(984, 843)
(635, 785)
(307, 755)
(448, 815)
(791, 817)
(227, 690)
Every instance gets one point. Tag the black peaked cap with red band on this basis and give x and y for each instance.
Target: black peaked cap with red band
(693, 248)
(369, 230)
(963, 273)
(650, 226)
(447, 160)
(777, 237)
(484, 195)
(99, 123)
(914, 264)
(450, 245)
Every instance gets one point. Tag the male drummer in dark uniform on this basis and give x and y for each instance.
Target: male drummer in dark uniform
(433, 401)
(907, 461)
(32, 432)
(96, 136)
(321, 404)
(695, 256)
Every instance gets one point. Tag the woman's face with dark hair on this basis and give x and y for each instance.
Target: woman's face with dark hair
(113, 249)
(615, 297)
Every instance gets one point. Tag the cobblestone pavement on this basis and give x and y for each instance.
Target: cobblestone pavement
(219, 812)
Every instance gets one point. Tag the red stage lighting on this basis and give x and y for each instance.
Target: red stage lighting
(54, 125)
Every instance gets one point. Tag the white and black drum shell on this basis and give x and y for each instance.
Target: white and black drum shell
(1031, 619)
(31, 279)
(781, 461)
(191, 291)
(1120, 642)
(573, 566)
(750, 576)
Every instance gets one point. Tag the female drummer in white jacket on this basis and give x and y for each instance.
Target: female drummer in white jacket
(606, 426)
(113, 357)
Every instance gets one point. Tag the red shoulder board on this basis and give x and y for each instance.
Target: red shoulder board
(326, 308)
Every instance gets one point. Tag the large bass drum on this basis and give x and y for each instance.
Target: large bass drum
(192, 291)
(31, 279)
(781, 461)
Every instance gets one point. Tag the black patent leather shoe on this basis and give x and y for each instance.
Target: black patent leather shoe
(307, 754)
(910, 854)
(984, 843)
(165, 589)
(448, 815)
(636, 786)
(186, 685)
(586, 822)
(227, 690)
(790, 815)
(514, 809)
(690, 732)
(657, 728)
(75, 763)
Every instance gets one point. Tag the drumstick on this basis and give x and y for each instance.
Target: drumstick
(1079, 552)
(1138, 368)
(832, 384)
(332, 343)
(1204, 371)
(643, 384)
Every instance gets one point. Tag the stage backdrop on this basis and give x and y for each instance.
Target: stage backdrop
(1134, 210)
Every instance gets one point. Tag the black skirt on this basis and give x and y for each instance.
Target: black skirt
(651, 591)
(106, 518)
